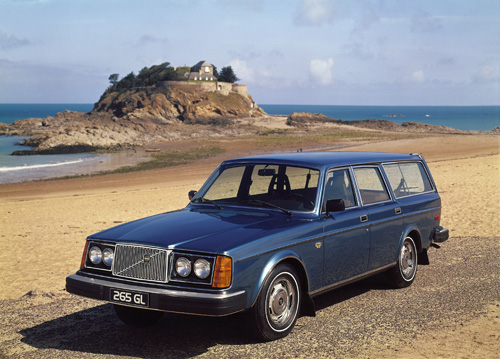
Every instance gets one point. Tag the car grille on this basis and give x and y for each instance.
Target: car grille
(145, 263)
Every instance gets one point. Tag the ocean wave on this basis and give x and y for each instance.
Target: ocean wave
(38, 166)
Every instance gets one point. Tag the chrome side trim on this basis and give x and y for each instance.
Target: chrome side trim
(315, 238)
(351, 280)
(420, 212)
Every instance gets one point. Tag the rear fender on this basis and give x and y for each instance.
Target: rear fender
(416, 238)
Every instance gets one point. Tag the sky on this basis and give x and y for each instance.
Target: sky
(317, 52)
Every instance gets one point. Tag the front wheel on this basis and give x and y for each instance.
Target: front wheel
(137, 317)
(403, 274)
(276, 310)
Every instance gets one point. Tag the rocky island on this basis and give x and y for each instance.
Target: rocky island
(157, 105)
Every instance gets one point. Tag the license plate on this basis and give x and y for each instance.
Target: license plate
(129, 297)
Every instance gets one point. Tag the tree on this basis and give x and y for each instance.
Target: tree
(113, 79)
(227, 75)
(127, 82)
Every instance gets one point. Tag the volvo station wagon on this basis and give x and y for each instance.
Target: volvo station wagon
(266, 234)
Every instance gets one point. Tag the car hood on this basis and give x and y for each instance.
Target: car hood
(213, 231)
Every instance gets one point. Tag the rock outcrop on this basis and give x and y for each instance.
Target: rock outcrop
(134, 117)
(305, 119)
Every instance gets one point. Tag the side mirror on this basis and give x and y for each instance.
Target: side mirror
(191, 194)
(335, 205)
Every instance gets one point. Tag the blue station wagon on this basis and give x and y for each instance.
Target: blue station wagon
(266, 234)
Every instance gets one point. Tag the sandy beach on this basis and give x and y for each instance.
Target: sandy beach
(44, 225)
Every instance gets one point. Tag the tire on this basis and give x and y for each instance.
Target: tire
(277, 307)
(403, 274)
(137, 317)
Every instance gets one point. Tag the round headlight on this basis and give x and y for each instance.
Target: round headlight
(107, 256)
(183, 266)
(202, 268)
(95, 255)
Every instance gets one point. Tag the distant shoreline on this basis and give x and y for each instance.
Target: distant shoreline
(475, 118)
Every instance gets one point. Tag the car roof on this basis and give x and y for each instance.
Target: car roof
(326, 159)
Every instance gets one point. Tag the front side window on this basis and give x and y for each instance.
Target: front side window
(370, 184)
(338, 185)
(289, 187)
(408, 178)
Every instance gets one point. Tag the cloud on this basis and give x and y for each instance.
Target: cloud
(320, 71)
(314, 12)
(424, 22)
(488, 73)
(242, 70)
(150, 39)
(261, 76)
(417, 77)
(10, 42)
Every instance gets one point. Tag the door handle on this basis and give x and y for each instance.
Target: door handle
(398, 210)
(364, 218)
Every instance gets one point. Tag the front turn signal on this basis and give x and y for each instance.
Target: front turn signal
(222, 272)
(84, 255)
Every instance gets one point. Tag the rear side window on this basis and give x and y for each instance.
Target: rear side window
(407, 179)
(370, 184)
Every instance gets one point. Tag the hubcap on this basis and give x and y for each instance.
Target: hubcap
(407, 260)
(281, 303)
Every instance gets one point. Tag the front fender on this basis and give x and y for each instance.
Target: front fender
(272, 262)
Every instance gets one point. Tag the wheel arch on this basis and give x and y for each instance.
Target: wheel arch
(294, 260)
(414, 233)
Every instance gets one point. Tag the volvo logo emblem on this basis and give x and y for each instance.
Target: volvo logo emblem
(147, 258)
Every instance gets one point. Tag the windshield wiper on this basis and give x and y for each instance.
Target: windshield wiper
(204, 200)
(266, 204)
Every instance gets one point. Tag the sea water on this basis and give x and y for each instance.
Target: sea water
(478, 118)
(24, 168)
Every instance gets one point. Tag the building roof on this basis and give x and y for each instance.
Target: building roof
(199, 65)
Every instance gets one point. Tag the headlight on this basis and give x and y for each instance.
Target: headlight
(107, 256)
(95, 255)
(202, 268)
(183, 267)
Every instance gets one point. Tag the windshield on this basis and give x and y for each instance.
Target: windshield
(286, 187)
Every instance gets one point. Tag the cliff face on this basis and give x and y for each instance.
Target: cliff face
(134, 118)
(177, 104)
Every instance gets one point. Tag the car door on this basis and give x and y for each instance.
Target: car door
(384, 216)
(346, 235)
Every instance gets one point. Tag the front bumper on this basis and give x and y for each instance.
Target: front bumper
(195, 301)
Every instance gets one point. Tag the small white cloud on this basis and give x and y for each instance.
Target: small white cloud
(320, 71)
(314, 12)
(417, 77)
(488, 73)
(242, 70)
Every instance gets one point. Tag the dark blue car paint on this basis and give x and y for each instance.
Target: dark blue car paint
(327, 249)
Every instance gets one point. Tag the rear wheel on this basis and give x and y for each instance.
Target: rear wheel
(137, 317)
(403, 274)
(276, 310)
